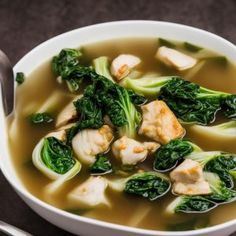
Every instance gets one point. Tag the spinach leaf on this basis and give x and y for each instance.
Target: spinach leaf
(191, 48)
(148, 185)
(65, 65)
(221, 165)
(65, 61)
(20, 77)
(102, 165)
(103, 97)
(229, 106)
(220, 193)
(167, 43)
(190, 102)
(57, 156)
(194, 204)
(38, 118)
(167, 156)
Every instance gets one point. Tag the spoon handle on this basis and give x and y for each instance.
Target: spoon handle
(12, 230)
(7, 83)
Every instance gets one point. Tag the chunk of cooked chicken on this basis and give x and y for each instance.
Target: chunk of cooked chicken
(196, 188)
(151, 146)
(130, 151)
(159, 123)
(174, 58)
(91, 193)
(122, 65)
(189, 179)
(90, 142)
(188, 171)
(67, 114)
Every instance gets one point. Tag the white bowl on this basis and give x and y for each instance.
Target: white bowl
(79, 224)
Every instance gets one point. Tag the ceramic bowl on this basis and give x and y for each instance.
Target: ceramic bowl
(78, 224)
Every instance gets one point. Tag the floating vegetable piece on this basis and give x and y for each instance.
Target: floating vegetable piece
(104, 96)
(190, 204)
(225, 130)
(218, 60)
(217, 162)
(229, 106)
(190, 102)
(101, 66)
(167, 156)
(167, 43)
(65, 64)
(101, 166)
(148, 85)
(148, 185)
(191, 47)
(20, 77)
(221, 194)
(55, 160)
(132, 116)
(38, 118)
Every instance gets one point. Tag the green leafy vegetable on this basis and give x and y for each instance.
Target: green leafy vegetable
(190, 102)
(217, 162)
(65, 65)
(101, 66)
(190, 204)
(229, 106)
(67, 59)
(101, 97)
(167, 43)
(20, 77)
(221, 165)
(102, 165)
(191, 48)
(190, 224)
(55, 160)
(133, 117)
(148, 185)
(39, 118)
(219, 60)
(221, 193)
(167, 156)
(90, 113)
(104, 97)
(57, 156)
(227, 129)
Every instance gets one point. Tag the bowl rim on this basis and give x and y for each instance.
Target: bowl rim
(24, 192)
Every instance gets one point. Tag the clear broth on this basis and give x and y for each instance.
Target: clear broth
(126, 209)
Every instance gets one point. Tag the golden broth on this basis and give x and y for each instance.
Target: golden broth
(41, 87)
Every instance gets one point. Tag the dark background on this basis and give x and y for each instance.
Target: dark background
(26, 23)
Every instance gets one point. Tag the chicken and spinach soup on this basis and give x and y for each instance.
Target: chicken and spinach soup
(138, 132)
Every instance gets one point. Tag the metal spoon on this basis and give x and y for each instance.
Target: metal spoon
(12, 230)
(7, 83)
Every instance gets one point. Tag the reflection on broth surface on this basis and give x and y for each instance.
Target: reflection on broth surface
(42, 93)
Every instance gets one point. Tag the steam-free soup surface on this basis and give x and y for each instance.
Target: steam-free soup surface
(41, 87)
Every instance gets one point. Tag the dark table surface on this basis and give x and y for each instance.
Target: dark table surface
(26, 23)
